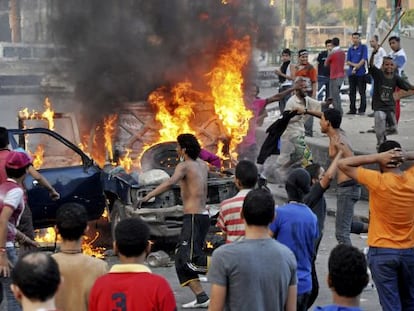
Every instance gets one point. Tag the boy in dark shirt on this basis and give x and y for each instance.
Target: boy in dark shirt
(385, 82)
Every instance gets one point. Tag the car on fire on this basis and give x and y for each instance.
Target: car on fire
(79, 179)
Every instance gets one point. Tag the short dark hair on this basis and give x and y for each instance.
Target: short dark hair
(15, 172)
(335, 41)
(190, 143)
(71, 221)
(131, 237)
(347, 270)
(246, 173)
(394, 38)
(375, 37)
(356, 33)
(298, 184)
(4, 137)
(258, 208)
(287, 52)
(328, 41)
(334, 117)
(388, 145)
(303, 52)
(37, 276)
(313, 169)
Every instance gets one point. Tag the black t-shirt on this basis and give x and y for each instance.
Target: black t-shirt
(322, 69)
(316, 202)
(383, 99)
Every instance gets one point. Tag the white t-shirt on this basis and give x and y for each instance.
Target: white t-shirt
(296, 126)
(378, 58)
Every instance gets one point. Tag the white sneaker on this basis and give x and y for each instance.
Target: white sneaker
(194, 304)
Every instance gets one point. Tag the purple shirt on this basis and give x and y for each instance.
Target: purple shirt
(256, 107)
(210, 158)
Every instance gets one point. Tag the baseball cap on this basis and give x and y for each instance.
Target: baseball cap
(17, 160)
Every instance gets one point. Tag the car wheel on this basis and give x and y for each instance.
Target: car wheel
(117, 214)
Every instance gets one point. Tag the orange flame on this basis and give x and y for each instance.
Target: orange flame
(174, 110)
(49, 236)
(126, 162)
(38, 156)
(48, 114)
(226, 84)
(109, 131)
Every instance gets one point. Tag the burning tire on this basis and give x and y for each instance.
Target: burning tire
(117, 214)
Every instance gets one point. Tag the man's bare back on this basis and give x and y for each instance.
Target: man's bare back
(194, 186)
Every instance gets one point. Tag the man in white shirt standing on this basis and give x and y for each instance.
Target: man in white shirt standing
(377, 62)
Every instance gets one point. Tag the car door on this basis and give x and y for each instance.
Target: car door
(70, 171)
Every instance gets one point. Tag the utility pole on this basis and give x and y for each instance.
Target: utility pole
(14, 21)
(360, 17)
(303, 4)
(371, 21)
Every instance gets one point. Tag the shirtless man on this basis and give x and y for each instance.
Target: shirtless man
(192, 174)
(348, 191)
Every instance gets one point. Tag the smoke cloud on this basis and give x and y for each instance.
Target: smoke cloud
(123, 50)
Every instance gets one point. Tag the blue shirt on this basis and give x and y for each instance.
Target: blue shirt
(354, 55)
(296, 226)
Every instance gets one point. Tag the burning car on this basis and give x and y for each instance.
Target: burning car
(79, 179)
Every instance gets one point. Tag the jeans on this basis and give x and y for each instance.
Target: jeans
(347, 196)
(12, 304)
(379, 126)
(335, 92)
(393, 273)
(323, 80)
(354, 83)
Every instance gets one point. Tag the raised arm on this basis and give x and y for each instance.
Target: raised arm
(331, 171)
(391, 158)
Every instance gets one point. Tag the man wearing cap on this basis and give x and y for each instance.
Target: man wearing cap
(26, 223)
(305, 70)
(11, 209)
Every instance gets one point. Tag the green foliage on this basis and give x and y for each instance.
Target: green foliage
(349, 16)
(382, 14)
(408, 18)
(317, 15)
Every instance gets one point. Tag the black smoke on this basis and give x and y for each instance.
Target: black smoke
(121, 50)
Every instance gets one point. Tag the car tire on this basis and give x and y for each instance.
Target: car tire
(117, 214)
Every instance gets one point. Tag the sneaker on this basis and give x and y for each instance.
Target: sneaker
(194, 304)
(371, 131)
(361, 113)
(351, 112)
(371, 115)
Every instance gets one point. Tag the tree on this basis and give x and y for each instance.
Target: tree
(408, 18)
(349, 16)
(382, 15)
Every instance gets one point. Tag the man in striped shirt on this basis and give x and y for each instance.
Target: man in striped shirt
(229, 220)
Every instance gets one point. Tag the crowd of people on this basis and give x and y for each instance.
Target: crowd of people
(268, 260)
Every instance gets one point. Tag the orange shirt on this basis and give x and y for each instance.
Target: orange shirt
(391, 206)
(309, 73)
